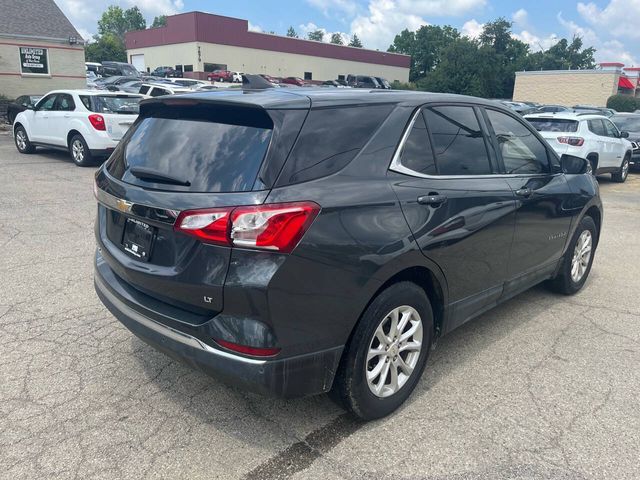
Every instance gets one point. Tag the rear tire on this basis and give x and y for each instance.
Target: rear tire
(22, 142)
(395, 358)
(621, 175)
(576, 265)
(79, 151)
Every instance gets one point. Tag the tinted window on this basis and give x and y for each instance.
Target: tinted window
(553, 124)
(630, 123)
(611, 129)
(417, 154)
(65, 103)
(144, 89)
(521, 150)
(458, 142)
(597, 128)
(158, 92)
(24, 100)
(124, 104)
(330, 139)
(47, 102)
(213, 156)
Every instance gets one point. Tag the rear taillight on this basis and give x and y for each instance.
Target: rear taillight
(278, 227)
(573, 141)
(97, 121)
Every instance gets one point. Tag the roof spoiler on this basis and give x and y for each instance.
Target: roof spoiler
(255, 82)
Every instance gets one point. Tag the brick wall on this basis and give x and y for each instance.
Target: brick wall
(589, 87)
(66, 69)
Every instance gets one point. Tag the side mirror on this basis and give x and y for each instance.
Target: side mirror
(31, 107)
(624, 134)
(573, 165)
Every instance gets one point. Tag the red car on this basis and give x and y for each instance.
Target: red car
(220, 76)
(293, 81)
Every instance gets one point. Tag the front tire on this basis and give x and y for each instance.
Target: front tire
(621, 175)
(21, 139)
(79, 151)
(385, 358)
(577, 261)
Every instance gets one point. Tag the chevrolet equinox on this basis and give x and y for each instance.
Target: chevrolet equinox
(295, 243)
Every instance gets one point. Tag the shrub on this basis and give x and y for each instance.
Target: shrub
(403, 86)
(622, 103)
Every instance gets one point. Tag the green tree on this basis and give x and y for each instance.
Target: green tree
(292, 33)
(316, 35)
(105, 47)
(425, 46)
(160, 21)
(336, 38)
(117, 22)
(562, 56)
(355, 41)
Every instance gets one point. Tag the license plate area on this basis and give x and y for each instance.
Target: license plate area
(138, 239)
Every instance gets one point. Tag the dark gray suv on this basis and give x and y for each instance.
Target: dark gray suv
(296, 242)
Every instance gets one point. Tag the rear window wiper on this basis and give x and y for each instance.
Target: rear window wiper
(150, 174)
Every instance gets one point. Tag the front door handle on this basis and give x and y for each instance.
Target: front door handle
(432, 199)
(524, 192)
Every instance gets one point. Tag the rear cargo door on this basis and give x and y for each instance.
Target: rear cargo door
(178, 160)
(119, 112)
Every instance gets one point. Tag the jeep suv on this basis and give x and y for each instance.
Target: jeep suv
(298, 241)
(590, 136)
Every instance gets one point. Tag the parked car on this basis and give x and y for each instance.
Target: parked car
(362, 81)
(338, 265)
(159, 90)
(270, 79)
(120, 69)
(112, 82)
(333, 83)
(297, 81)
(166, 72)
(236, 77)
(519, 107)
(607, 112)
(130, 87)
(590, 136)
(630, 122)
(94, 67)
(220, 76)
(20, 104)
(383, 83)
(551, 109)
(87, 123)
(188, 82)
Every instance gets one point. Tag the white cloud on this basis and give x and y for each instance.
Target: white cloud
(383, 21)
(521, 18)
(472, 28)
(619, 18)
(535, 42)
(439, 8)
(84, 15)
(255, 28)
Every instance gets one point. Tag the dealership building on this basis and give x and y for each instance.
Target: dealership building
(196, 43)
(39, 49)
(576, 87)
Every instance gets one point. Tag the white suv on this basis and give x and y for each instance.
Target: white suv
(87, 123)
(589, 136)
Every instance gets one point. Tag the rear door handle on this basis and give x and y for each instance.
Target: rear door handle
(433, 200)
(524, 192)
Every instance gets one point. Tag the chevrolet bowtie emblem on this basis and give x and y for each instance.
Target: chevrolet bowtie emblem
(124, 206)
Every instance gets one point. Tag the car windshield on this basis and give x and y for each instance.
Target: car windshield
(630, 123)
(554, 124)
(124, 104)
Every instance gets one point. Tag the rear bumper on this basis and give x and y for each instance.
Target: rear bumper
(301, 375)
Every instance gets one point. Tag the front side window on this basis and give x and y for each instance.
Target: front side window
(611, 129)
(521, 150)
(458, 141)
(47, 102)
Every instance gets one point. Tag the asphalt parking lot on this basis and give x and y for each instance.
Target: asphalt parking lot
(544, 386)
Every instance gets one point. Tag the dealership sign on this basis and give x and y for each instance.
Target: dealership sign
(34, 60)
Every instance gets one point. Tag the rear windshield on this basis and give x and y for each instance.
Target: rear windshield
(123, 104)
(554, 124)
(224, 155)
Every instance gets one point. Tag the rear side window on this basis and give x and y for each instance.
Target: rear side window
(212, 154)
(458, 141)
(553, 124)
(330, 139)
(597, 128)
(417, 154)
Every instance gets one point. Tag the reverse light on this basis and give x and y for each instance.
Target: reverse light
(277, 227)
(97, 121)
(255, 351)
(573, 141)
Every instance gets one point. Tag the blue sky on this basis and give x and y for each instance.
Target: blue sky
(608, 25)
